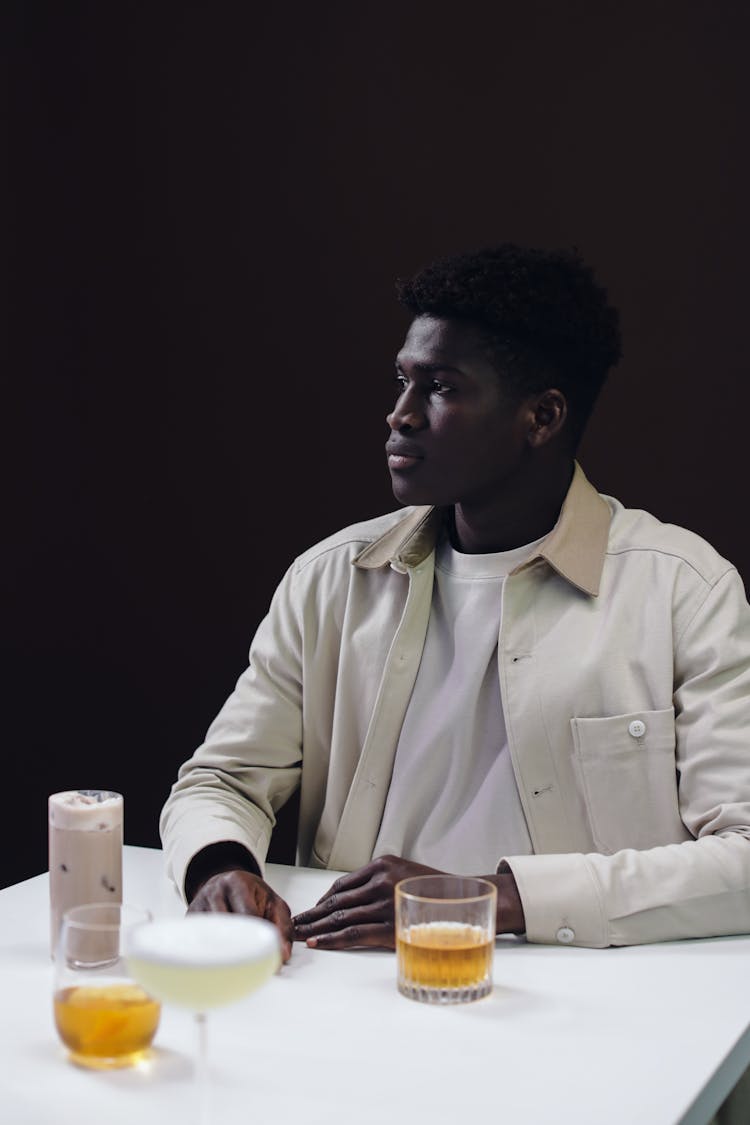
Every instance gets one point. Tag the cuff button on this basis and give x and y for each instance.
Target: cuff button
(565, 935)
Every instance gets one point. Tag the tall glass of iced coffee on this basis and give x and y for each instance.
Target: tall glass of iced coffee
(85, 851)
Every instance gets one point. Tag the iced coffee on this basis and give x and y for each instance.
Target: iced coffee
(85, 851)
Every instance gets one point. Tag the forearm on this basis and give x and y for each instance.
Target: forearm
(200, 814)
(700, 888)
(250, 762)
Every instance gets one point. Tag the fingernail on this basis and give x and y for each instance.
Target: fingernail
(311, 942)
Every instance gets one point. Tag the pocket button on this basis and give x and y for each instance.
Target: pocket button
(637, 729)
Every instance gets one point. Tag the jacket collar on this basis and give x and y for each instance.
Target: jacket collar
(575, 547)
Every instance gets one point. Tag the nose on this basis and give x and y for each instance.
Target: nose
(407, 414)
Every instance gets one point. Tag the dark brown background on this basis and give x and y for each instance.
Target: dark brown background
(210, 203)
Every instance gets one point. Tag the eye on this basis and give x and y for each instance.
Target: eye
(439, 388)
(400, 381)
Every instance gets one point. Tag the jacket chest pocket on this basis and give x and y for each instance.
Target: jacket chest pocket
(628, 777)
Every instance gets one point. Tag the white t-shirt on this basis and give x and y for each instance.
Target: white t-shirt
(465, 815)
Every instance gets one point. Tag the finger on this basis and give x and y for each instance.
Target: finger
(278, 912)
(347, 882)
(240, 899)
(374, 912)
(376, 935)
(198, 905)
(336, 901)
(209, 898)
(255, 898)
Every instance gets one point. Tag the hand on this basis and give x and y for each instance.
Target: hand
(241, 892)
(358, 910)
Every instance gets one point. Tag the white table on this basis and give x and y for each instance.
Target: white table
(650, 1035)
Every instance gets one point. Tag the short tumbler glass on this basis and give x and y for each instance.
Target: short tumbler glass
(445, 937)
(102, 1016)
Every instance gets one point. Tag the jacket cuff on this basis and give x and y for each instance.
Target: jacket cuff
(185, 844)
(561, 900)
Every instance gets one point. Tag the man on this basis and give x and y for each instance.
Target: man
(510, 676)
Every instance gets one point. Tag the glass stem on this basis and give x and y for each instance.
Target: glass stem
(201, 1069)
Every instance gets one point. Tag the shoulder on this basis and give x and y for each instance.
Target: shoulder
(634, 530)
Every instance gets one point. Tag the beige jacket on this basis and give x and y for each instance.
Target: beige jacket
(624, 663)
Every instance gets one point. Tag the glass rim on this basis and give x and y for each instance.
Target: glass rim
(70, 921)
(401, 889)
(107, 793)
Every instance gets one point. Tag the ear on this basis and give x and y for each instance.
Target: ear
(549, 412)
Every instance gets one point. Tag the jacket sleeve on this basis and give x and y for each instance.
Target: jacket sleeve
(250, 762)
(699, 888)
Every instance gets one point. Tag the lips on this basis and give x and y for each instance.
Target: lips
(402, 456)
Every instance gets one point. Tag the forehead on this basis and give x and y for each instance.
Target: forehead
(436, 341)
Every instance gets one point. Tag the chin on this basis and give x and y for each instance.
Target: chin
(411, 494)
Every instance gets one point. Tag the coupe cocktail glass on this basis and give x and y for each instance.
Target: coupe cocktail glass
(203, 961)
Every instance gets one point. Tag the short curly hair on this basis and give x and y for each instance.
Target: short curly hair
(545, 319)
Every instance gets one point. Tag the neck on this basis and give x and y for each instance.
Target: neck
(518, 514)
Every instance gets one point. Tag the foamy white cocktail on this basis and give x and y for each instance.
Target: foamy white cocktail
(204, 960)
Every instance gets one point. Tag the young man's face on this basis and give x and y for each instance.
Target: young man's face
(457, 434)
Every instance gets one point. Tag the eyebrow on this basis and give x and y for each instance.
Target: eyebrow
(430, 368)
